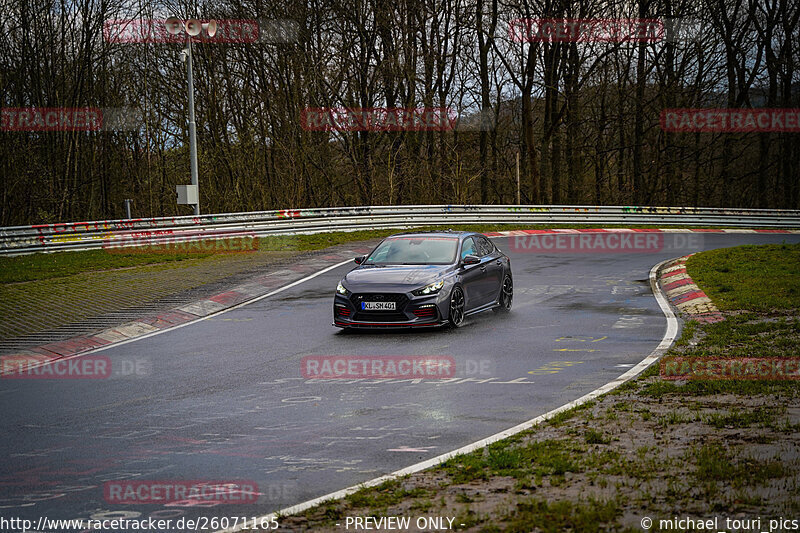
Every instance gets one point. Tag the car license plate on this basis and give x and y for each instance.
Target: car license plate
(378, 306)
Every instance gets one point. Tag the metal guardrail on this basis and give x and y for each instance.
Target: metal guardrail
(97, 234)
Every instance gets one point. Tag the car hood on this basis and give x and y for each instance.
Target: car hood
(374, 278)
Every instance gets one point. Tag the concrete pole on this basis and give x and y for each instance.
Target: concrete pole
(518, 201)
(192, 127)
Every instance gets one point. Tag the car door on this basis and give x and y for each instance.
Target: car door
(471, 275)
(492, 269)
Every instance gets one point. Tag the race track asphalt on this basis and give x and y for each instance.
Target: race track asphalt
(224, 399)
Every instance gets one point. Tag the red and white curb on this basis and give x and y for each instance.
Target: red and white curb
(257, 288)
(684, 293)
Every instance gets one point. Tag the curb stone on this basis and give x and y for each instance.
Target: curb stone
(683, 293)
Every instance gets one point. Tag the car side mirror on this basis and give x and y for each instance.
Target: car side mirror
(360, 259)
(471, 260)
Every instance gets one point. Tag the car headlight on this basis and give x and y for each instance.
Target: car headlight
(433, 288)
(340, 289)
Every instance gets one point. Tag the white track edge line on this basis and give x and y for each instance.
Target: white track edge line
(195, 321)
(666, 341)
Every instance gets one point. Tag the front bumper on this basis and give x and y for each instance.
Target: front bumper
(411, 311)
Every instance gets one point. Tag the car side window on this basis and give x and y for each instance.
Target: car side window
(468, 248)
(487, 248)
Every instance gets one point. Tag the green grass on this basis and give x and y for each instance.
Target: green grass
(716, 463)
(56, 265)
(592, 436)
(658, 389)
(585, 516)
(739, 336)
(688, 333)
(330, 511)
(673, 418)
(559, 418)
(736, 418)
(384, 495)
(756, 278)
(543, 458)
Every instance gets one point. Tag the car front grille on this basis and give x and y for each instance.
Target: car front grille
(399, 298)
(377, 316)
(380, 316)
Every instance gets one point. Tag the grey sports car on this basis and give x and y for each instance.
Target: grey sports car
(424, 280)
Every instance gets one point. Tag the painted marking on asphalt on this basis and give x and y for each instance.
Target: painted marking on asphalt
(421, 449)
(582, 339)
(428, 382)
(628, 322)
(553, 367)
(617, 289)
(302, 399)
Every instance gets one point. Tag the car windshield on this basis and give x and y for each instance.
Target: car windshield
(415, 251)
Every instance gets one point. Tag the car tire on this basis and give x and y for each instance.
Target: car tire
(506, 296)
(456, 310)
